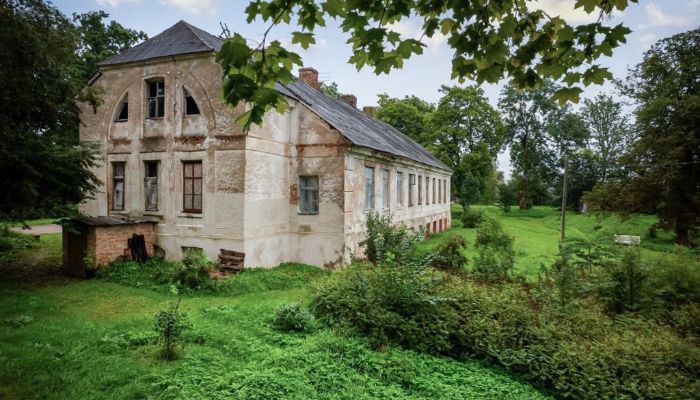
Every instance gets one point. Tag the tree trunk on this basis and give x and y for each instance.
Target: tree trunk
(522, 203)
(682, 234)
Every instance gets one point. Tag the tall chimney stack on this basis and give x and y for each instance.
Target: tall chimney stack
(309, 76)
(349, 99)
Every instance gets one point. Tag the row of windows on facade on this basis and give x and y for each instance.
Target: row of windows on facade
(191, 184)
(156, 102)
(439, 189)
(192, 188)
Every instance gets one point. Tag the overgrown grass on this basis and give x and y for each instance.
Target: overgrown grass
(76, 339)
(536, 233)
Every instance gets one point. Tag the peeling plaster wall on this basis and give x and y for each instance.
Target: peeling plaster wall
(413, 216)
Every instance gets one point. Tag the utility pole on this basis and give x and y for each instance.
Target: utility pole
(563, 199)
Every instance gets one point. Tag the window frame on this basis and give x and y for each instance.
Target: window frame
(411, 184)
(303, 188)
(193, 178)
(420, 190)
(146, 176)
(159, 98)
(186, 94)
(123, 104)
(399, 188)
(433, 190)
(386, 189)
(427, 190)
(115, 179)
(369, 194)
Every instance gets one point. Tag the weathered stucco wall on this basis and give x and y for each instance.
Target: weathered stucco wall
(250, 199)
(411, 214)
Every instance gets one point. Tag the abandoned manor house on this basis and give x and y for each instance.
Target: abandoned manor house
(177, 168)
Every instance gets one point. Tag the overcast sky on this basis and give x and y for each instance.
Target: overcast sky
(422, 75)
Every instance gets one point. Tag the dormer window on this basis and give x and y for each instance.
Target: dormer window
(156, 99)
(191, 107)
(123, 111)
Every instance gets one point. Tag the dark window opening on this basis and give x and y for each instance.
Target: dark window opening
(156, 99)
(308, 194)
(124, 111)
(191, 107)
(118, 175)
(192, 186)
(151, 185)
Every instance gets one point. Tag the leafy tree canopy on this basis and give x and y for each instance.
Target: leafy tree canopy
(664, 161)
(410, 115)
(491, 40)
(331, 89)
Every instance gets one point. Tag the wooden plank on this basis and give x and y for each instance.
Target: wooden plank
(232, 253)
(225, 258)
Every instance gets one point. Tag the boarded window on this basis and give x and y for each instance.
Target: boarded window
(399, 189)
(123, 111)
(150, 183)
(369, 187)
(411, 184)
(191, 107)
(156, 99)
(308, 194)
(420, 190)
(118, 175)
(385, 189)
(192, 185)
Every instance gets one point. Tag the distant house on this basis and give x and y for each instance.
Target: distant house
(294, 189)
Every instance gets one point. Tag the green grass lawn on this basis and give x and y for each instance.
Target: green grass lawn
(64, 338)
(536, 233)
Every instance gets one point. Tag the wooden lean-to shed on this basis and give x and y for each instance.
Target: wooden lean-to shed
(93, 242)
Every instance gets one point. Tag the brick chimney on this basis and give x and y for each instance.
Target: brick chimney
(309, 76)
(349, 99)
(370, 110)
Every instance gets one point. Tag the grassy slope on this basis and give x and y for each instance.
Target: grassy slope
(536, 233)
(77, 345)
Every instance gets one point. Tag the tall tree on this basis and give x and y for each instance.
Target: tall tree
(468, 134)
(664, 161)
(610, 131)
(331, 89)
(410, 115)
(491, 40)
(98, 41)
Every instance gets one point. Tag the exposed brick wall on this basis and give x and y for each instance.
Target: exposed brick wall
(107, 243)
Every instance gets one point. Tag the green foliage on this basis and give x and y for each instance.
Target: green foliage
(384, 239)
(625, 283)
(664, 158)
(293, 318)
(410, 115)
(195, 271)
(387, 304)
(507, 195)
(471, 218)
(331, 89)
(10, 240)
(170, 325)
(527, 46)
(449, 255)
(495, 258)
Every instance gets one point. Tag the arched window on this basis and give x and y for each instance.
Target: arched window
(191, 107)
(123, 114)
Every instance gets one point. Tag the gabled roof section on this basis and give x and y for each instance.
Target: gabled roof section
(358, 127)
(181, 38)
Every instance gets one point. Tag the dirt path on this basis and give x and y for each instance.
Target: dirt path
(39, 229)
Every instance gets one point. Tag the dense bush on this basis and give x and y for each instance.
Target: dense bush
(383, 238)
(293, 317)
(495, 255)
(449, 255)
(194, 271)
(507, 196)
(472, 218)
(10, 240)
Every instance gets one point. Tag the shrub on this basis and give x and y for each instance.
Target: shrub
(388, 304)
(495, 255)
(507, 196)
(472, 218)
(383, 238)
(195, 271)
(624, 286)
(10, 240)
(170, 325)
(293, 317)
(449, 256)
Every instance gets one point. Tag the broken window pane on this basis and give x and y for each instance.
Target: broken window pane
(191, 107)
(156, 99)
(118, 174)
(308, 194)
(151, 185)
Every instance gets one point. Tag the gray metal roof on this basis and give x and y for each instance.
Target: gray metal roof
(181, 38)
(359, 127)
